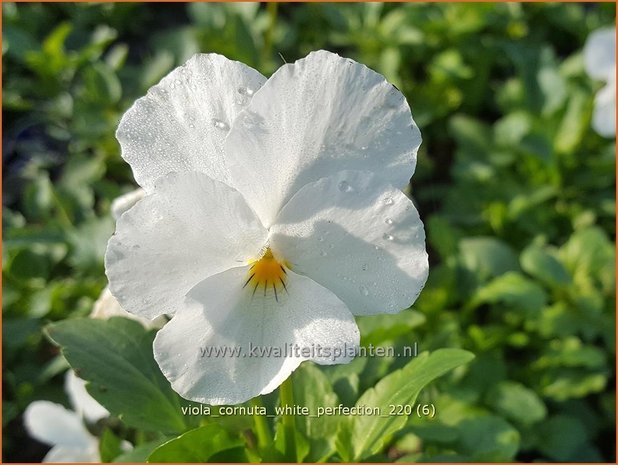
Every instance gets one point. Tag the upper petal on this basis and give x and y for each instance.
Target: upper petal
(600, 53)
(181, 123)
(222, 316)
(320, 115)
(55, 425)
(82, 402)
(357, 236)
(189, 228)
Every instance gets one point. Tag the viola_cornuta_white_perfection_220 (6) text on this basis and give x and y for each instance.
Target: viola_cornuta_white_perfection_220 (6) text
(273, 215)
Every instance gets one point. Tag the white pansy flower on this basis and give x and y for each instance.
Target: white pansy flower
(64, 429)
(600, 63)
(273, 215)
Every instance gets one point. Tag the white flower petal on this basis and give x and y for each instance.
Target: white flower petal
(108, 306)
(357, 236)
(188, 229)
(68, 454)
(317, 116)
(221, 313)
(55, 425)
(125, 202)
(181, 123)
(82, 402)
(600, 53)
(604, 115)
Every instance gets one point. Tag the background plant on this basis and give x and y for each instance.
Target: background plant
(516, 191)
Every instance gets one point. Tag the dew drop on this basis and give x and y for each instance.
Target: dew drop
(245, 91)
(344, 186)
(388, 221)
(363, 290)
(178, 82)
(388, 201)
(321, 239)
(387, 237)
(323, 253)
(364, 267)
(220, 124)
(331, 246)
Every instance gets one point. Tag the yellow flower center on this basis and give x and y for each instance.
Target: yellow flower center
(268, 274)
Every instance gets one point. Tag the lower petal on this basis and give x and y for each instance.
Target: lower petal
(230, 344)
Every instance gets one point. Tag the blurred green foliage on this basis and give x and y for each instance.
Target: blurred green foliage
(516, 191)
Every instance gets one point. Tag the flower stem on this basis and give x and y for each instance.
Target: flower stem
(262, 431)
(286, 397)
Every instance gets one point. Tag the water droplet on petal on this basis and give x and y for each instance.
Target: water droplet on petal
(388, 201)
(331, 246)
(323, 253)
(363, 290)
(245, 91)
(178, 82)
(321, 238)
(344, 186)
(220, 124)
(364, 267)
(388, 221)
(387, 237)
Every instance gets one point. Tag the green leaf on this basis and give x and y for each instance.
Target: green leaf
(115, 357)
(487, 256)
(541, 264)
(363, 436)
(312, 389)
(512, 289)
(109, 446)
(517, 402)
(139, 454)
(101, 84)
(196, 446)
(561, 436)
(488, 438)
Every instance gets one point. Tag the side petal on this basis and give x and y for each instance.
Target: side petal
(320, 115)
(181, 123)
(189, 228)
(357, 236)
(229, 344)
(55, 425)
(82, 402)
(600, 53)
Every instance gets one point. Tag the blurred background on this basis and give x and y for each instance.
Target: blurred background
(516, 191)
